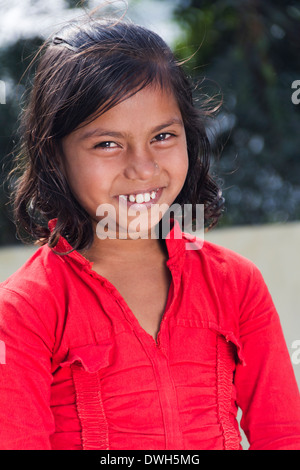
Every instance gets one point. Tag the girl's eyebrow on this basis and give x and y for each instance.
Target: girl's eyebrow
(101, 132)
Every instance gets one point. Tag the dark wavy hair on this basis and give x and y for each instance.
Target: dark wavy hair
(86, 67)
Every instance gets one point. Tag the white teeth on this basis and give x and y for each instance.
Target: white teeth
(141, 197)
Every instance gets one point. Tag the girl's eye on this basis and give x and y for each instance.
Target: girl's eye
(106, 145)
(163, 136)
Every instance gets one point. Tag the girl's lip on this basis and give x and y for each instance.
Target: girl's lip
(147, 205)
(141, 191)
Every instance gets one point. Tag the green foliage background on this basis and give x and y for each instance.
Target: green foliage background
(248, 51)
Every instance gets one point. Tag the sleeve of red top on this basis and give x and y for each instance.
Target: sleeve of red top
(267, 391)
(25, 376)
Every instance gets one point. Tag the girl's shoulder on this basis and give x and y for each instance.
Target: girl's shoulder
(37, 283)
(29, 299)
(35, 271)
(231, 277)
(218, 258)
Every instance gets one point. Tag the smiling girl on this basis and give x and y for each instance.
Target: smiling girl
(123, 342)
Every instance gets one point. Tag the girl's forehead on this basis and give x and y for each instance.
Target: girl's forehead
(153, 93)
(147, 105)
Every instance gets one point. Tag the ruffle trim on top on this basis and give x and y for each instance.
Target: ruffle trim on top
(86, 363)
(231, 435)
(230, 337)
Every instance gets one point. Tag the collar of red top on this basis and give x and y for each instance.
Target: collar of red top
(175, 241)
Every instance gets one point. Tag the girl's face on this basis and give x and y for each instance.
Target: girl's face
(132, 157)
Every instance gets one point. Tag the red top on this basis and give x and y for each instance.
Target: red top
(80, 372)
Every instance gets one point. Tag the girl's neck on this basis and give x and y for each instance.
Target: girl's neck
(127, 251)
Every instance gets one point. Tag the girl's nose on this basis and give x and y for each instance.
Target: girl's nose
(142, 167)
